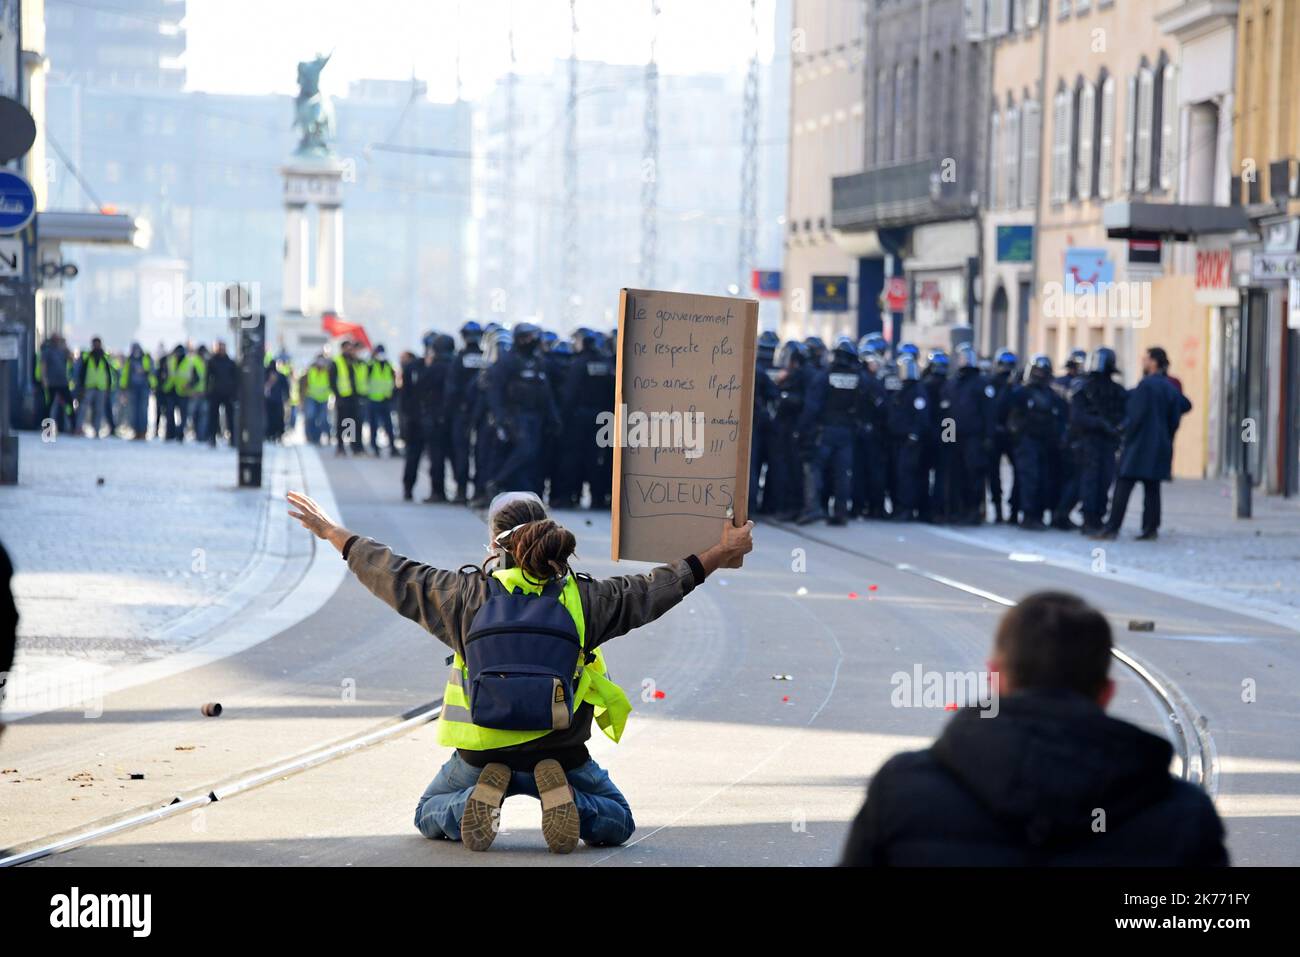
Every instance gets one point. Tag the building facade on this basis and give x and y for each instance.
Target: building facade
(828, 57)
(910, 216)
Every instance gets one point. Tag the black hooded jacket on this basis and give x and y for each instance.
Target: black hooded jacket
(1025, 788)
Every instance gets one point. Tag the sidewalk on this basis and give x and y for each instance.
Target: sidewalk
(1249, 565)
(126, 553)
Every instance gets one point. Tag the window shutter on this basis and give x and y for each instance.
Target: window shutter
(997, 17)
(1169, 129)
(1011, 154)
(900, 112)
(1130, 128)
(1087, 119)
(995, 158)
(1145, 118)
(1060, 147)
(1106, 153)
(1032, 126)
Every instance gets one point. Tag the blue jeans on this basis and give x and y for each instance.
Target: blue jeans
(604, 814)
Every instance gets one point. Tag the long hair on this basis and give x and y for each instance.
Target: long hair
(537, 544)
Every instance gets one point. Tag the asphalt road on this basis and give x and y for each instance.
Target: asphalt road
(729, 767)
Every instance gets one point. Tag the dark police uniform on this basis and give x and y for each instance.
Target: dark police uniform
(833, 407)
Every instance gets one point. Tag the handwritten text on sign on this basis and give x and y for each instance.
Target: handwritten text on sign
(688, 359)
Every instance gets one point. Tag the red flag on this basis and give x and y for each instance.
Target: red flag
(338, 329)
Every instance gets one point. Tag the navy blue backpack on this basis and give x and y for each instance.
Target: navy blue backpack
(522, 654)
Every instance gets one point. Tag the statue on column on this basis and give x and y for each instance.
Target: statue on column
(313, 113)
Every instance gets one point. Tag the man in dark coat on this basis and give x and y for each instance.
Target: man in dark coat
(1151, 418)
(1046, 779)
(223, 389)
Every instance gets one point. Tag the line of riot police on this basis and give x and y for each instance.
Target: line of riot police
(490, 413)
(855, 431)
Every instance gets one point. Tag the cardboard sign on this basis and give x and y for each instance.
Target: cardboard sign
(684, 404)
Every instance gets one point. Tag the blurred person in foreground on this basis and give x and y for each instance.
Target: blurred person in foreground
(8, 624)
(1046, 779)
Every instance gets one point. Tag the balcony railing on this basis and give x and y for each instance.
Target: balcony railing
(903, 194)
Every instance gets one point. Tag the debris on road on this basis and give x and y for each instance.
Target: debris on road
(184, 747)
(783, 677)
(212, 709)
(137, 775)
(1140, 624)
(801, 591)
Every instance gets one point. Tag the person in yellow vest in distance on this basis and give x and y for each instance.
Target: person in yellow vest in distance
(347, 409)
(314, 392)
(170, 398)
(138, 382)
(381, 383)
(528, 673)
(94, 385)
(192, 390)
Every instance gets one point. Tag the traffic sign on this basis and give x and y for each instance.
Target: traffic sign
(11, 258)
(17, 202)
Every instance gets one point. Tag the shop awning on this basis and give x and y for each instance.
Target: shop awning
(1171, 221)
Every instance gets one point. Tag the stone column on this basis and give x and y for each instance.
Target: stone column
(295, 258)
(329, 259)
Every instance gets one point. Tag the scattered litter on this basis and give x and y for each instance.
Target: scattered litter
(588, 521)
(785, 699)
(871, 587)
(853, 594)
(84, 778)
(659, 696)
(783, 677)
(1138, 624)
(137, 775)
(801, 591)
(9, 771)
(212, 709)
(99, 480)
(1026, 557)
(184, 747)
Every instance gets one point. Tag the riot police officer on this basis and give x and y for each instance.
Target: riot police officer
(458, 402)
(871, 450)
(969, 396)
(588, 391)
(426, 382)
(828, 430)
(1096, 412)
(816, 351)
(556, 467)
(936, 450)
(522, 408)
(1003, 382)
(765, 394)
(489, 447)
(792, 384)
(1070, 460)
(1034, 422)
(910, 421)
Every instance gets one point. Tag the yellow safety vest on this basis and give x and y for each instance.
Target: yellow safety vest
(380, 381)
(98, 376)
(318, 384)
(455, 730)
(344, 376)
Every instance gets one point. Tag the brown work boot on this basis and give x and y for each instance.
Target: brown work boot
(482, 817)
(559, 813)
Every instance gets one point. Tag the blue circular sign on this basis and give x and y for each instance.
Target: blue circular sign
(17, 202)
